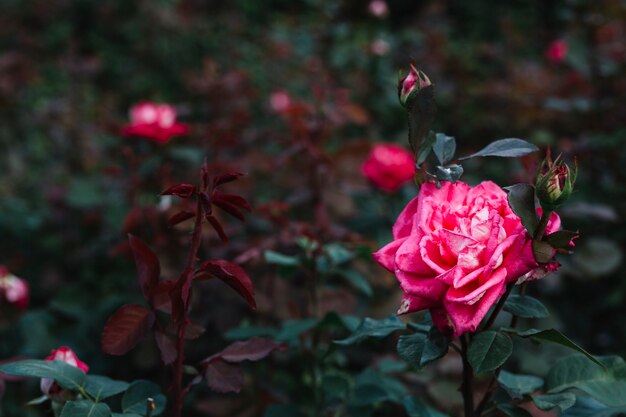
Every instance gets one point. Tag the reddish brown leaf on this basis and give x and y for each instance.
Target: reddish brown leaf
(218, 227)
(126, 328)
(166, 347)
(161, 296)
(147, 263)
(230, 209)
(223, 377)
(179, 295)
(225, 178)
(193, 331)
(235, 199)
(180, 217)
(234, 276)
(253, 349)
(180, 190)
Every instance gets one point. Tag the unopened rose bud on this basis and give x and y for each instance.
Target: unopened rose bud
(555, 182)
(13, 290)
(48, 386)
(412, 84)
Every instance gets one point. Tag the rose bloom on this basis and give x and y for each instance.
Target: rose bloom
(64, 354)
(13, 290)
(153, 121)
(455, 249)
(389, 166)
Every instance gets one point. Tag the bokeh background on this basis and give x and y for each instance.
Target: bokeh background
(293, 93)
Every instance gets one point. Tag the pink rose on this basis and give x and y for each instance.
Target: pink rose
(454, 251)
(154, 121)
(13, 290)
(557, 51)
(64, 354)
(389, 166)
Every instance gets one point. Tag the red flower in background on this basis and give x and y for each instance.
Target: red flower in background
(13, 290)
(556, 51)
(154, 121)
(67, 355)
(389, 166)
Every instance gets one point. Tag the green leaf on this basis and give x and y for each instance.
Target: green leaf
(67, 376)
(85, 408)
(38, 400)
(372, 386)
(521, 199)
(489, 350)
(561, 239)
(554, 336)
(525, 306)
(562, 401)
(542, 251)
(357, 280)
(276, 258)
(419, 349)
(508, 148)
(606, 384)
(444, 148)
(135, 400)
(518, 385)
(421, 110)
(338, 254)
(101, 387)
(373, 328)
(449, 173)
(425, 149)
(247, 332)
(415, 408)
(292, 329)
(588, 407)
(513, 411)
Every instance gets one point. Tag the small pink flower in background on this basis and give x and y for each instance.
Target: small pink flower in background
(378, 8)
(154, 121)
(13, 290)
(455, 249)
(389, 166)
(280, 101)
(63, 354)
(556, 51)
(379, 47)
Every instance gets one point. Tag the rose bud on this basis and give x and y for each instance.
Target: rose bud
(555, 182)
(412, 84)
(48, 386)
(389, 166)
(13, 290)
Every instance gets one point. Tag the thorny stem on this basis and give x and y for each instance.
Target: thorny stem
(499, 306)
(468, 376)
(177, 369)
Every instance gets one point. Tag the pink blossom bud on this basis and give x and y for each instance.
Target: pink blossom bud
(13, 290)
(280, 101)
(555, 182)
(64, 354)
(153, 121)
(378, 8)
(411, 84)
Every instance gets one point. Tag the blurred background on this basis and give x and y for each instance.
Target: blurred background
(293, 93)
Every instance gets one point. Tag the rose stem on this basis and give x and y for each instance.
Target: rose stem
(466, 388)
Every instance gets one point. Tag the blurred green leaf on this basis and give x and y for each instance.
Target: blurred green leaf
(517, 385)
(509, 148)
(444, 148)
(373, 328)
(521, 198)
(489, 350)
(525, 306)
(562, 401)
(84, 408)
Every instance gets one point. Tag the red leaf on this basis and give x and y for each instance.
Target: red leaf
(147, 263)
(166, 347)
(234, 276)
(225, 178)
(223, 377)
(161, 296)
(180, 217)
(193, 331)
(125, 329)
(234, 199)
(180, 190)
(230, 209)
(179, 295)
(253, 349)
(218, 227)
